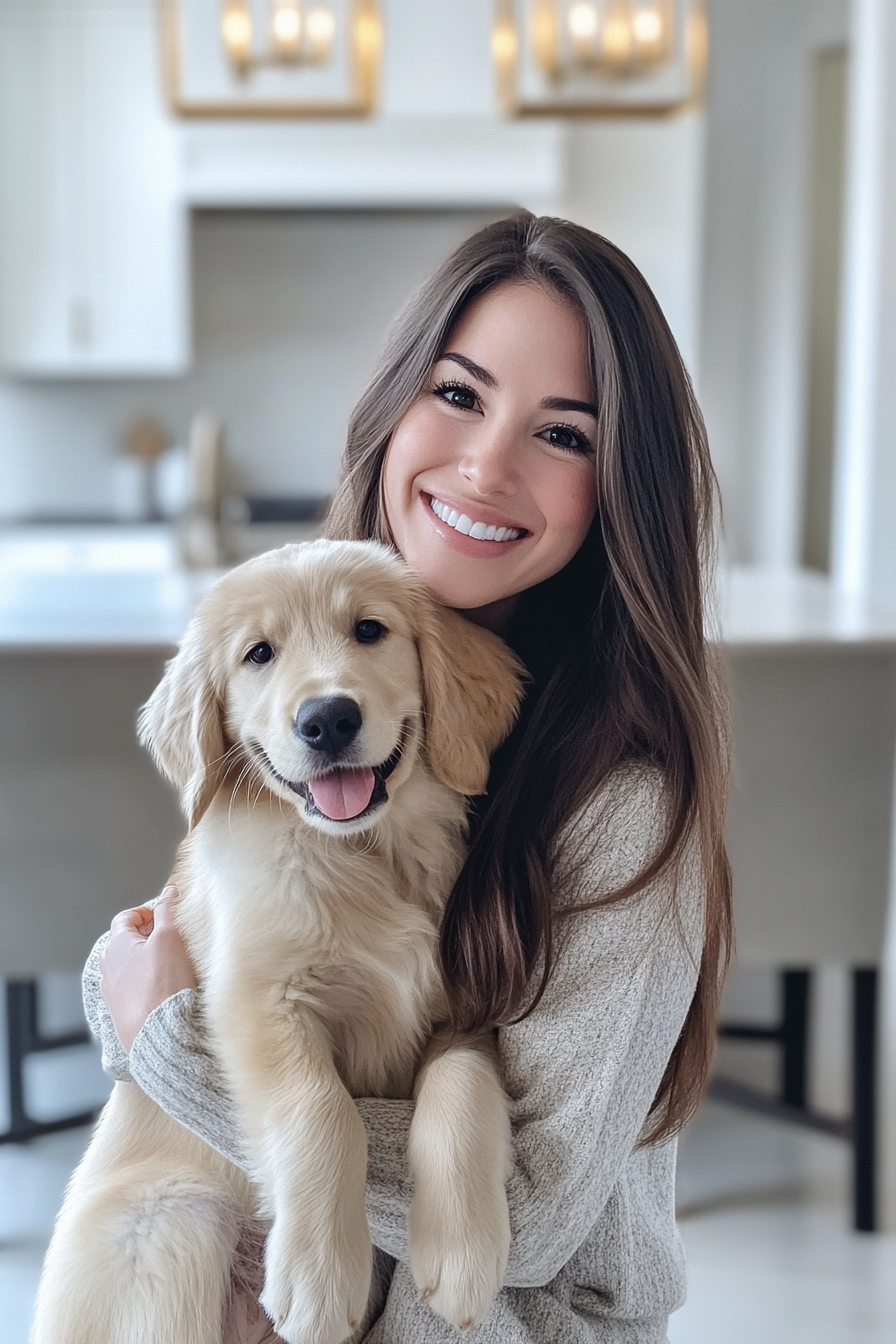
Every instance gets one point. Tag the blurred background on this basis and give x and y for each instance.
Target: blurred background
(209, 212)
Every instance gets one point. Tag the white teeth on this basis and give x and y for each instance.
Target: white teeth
(480, 531)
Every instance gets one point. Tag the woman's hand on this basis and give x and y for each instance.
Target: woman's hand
(144, 963)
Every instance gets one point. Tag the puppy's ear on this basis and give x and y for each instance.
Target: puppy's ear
(182, 725)
(471, 696)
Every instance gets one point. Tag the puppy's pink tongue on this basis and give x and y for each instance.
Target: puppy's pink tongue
(342, 794)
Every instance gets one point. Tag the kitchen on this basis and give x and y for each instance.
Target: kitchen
(249, 276)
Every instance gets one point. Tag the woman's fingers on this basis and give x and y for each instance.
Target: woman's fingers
(138, 920)
(144, 963)
(141, 918)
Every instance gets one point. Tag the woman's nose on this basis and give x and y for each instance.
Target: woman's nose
(490, 463)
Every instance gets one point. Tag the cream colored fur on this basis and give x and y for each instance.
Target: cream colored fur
(315, 945)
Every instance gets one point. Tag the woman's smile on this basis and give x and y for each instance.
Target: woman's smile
(483, 526)
(495, 460)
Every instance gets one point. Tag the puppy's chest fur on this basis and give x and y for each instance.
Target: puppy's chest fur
(277, 914)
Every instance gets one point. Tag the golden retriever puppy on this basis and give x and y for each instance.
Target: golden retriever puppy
(324, 720)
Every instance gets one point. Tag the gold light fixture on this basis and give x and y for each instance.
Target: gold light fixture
(597, 55)
(618, 37)
(297, 35)
(271, 58)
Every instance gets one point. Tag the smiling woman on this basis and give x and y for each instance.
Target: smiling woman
(488, 453)
(530, 443)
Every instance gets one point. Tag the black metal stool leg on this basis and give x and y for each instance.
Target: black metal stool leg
(24, 1038)
(795, 992)
(864, 1046)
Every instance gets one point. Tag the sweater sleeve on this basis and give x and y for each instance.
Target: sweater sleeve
(115, 1059)
(582, 1070)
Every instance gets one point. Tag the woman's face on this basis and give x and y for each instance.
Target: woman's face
(489, 481)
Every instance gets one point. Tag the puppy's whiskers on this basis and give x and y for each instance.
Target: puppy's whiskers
(228, 757)
(249, 767)
(260, 767)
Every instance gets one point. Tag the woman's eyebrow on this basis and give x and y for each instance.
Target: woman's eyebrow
(567, 404)
(546, 404)
(471, 367)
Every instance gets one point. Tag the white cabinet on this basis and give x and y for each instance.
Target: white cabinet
(93, 238)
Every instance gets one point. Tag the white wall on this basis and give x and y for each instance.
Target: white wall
(864, 535)
(640, 184)
(754, 308)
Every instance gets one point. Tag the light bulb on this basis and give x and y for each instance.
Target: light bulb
(320, 27)
(649, 29)
(236, 32)
(618, 38)
(286, 29)
(583, 22)
(504, 44)
(543, 35)
(647, 26)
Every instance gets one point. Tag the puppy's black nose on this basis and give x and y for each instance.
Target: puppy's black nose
(329, 724)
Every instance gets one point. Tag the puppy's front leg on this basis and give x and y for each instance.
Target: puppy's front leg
(459, 1154)
(311, 1148)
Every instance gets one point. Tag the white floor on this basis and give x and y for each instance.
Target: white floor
(764, 1213)
(766, 1218)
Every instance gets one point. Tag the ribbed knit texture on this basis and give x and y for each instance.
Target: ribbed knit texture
(595, 1254)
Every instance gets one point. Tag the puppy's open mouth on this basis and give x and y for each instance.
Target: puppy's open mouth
(346, 792)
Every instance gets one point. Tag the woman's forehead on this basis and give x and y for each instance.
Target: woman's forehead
(528, 327)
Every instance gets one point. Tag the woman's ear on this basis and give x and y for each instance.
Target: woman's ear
(182, 725)
(472, 692)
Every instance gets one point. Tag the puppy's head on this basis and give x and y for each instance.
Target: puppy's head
(323, 671)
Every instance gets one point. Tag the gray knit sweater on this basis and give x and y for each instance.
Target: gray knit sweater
(595, 1254)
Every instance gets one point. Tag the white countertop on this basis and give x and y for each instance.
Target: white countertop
(106, 588)
(796, 608)
(62, 612)
(94, 587)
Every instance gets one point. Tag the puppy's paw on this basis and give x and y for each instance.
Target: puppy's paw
(312, 1293)
(459, 1254)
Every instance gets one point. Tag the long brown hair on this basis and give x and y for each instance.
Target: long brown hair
(615, 642)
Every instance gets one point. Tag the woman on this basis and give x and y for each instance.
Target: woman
(530, 443)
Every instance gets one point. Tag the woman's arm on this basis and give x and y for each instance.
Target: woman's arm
(171, 1061)
(154, 1034)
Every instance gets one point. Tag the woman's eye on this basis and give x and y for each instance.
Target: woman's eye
(457, 394)
(564, 436)
(260, 654)
(368, 632)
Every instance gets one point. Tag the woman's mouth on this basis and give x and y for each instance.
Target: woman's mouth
(470, 527)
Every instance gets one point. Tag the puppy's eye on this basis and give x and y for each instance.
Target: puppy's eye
(368, 632)
(259, 654)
